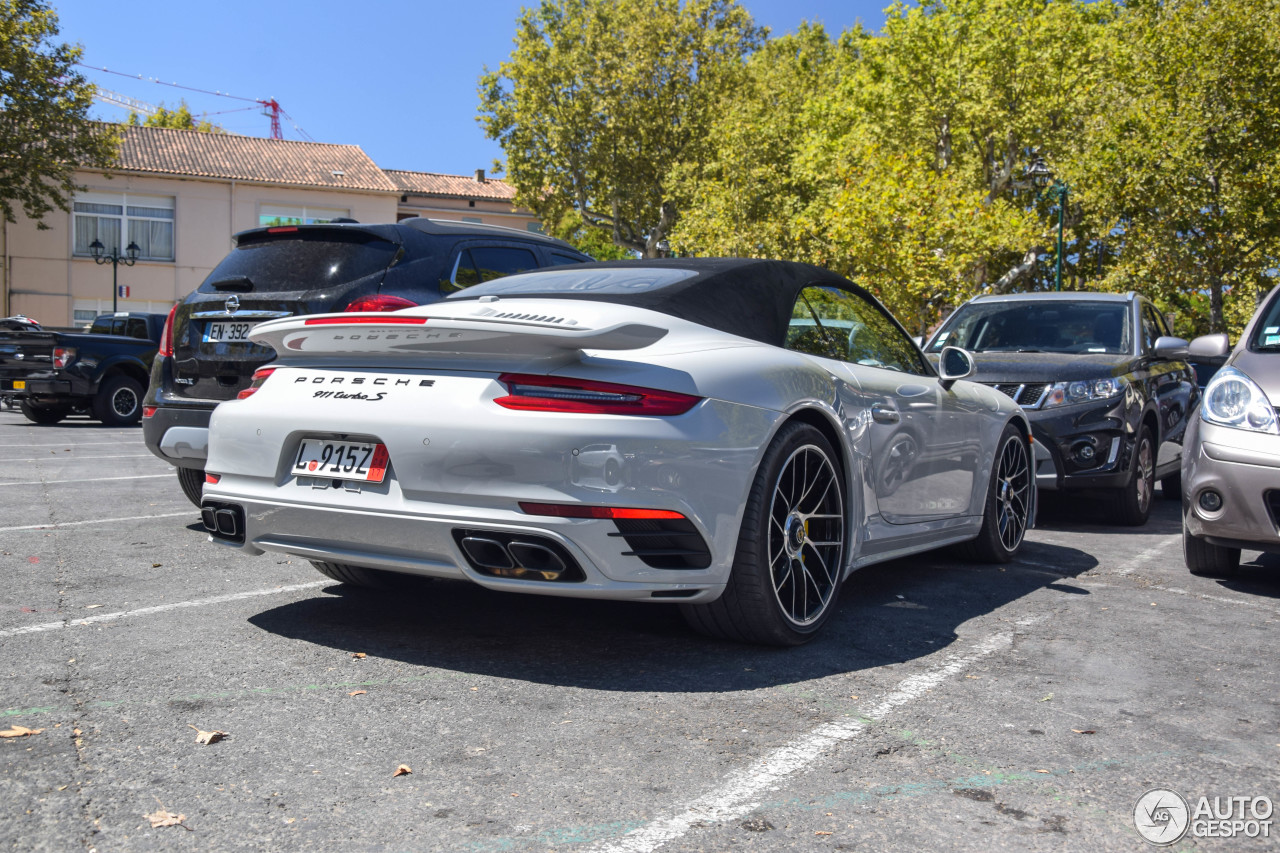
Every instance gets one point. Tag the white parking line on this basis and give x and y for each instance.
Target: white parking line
(58, 525)
(160, 608)
(87, 480)
(737, 794)
(65, 443)
(87, 458)
(1141, 561)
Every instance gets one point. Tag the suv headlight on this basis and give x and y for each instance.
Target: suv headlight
(1234, 400)
(1083, 391)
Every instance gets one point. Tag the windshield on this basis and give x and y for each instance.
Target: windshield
(1038, 326)
(1266, 334)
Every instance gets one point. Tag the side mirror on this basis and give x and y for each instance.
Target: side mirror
(953, 364)
(1168, 346)
(1208, 347)
(919, 340)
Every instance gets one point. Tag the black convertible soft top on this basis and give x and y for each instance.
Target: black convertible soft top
(741, 296)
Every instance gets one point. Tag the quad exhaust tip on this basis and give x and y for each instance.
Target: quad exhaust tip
(518, 556)
(224, 521)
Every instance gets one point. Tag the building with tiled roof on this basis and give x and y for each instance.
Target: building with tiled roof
(180, 195)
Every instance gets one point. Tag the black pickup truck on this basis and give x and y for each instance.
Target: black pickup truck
(51, 373)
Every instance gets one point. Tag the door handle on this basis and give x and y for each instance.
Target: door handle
(884, 413)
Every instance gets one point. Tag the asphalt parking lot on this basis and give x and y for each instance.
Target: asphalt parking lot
(947, 706)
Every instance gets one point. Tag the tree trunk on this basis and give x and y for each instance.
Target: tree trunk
(1216, 323)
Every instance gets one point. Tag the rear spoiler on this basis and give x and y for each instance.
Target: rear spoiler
(473, 336)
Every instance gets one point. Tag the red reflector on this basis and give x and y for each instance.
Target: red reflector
(584, 511)
(378, 467)
(212, 479)
(532, 393)
(148, 411)
(378, 319)
(381, 302)
(282, 229)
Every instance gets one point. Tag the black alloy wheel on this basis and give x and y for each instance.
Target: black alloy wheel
(39, 414)
(1007, 511)
(788, 566)
(119, 401)
(1133, 501)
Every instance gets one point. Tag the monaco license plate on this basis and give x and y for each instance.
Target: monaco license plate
(227, 331)
(341, 460)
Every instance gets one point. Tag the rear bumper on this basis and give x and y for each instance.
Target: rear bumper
(179, 435)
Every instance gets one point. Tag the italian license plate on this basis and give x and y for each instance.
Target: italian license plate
(227, 331)
(19, 384)
(341, 460)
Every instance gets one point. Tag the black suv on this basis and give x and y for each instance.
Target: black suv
(1105, 385)
(206, 357)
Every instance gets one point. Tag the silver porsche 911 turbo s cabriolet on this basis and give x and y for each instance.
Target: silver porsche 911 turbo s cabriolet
(735, 436)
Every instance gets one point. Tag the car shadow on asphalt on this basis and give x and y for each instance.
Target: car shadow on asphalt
(1258, 575)
(1081, 513)
(888, 614)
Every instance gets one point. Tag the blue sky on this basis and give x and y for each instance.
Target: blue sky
(395, 77)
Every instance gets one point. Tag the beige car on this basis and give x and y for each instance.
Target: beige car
(1231, 457)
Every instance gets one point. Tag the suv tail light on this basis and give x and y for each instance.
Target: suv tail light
(259, 376)
(166, 337)
(381, 302)
(62, 356)
(532, 393)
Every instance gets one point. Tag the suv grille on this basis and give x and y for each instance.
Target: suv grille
(1028, 396)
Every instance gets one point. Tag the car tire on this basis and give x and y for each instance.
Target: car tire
(38, 414)
(1007, 511)
(1206, 559)
(1133, 501)
(796, 511)
(1171, 487)
(356, 575)
(119, 401)
(192, 482)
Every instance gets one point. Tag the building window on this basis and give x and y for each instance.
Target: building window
(105, 217)
(272, 215)
(475, 219)
(534, 227)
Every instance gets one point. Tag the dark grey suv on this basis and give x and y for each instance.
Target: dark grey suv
(205, 354)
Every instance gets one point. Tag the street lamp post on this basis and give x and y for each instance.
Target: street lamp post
(1056, 190)
(128, 259)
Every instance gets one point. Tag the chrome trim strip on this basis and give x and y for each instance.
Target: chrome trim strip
(240, 315)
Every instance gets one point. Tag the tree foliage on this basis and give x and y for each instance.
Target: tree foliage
(1183, 160)
(179, 118)
(44, 103)
(601, 98)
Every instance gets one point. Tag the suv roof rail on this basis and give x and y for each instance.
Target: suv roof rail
(453, 226)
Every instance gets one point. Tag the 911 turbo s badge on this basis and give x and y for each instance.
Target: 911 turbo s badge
(365, 388)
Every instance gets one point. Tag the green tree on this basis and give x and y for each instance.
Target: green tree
(44, 103)
(1182, 165)
(179, 118)
(601, 98)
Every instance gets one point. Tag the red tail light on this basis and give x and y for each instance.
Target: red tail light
(148, 411)
(380, 319)
(583, 511)
(380, 303)
(259, 376)
(532, 393)
(62, 356)
(166, 337)
(212, 479)
(283, 229)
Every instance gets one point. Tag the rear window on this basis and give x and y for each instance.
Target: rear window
(305, 260)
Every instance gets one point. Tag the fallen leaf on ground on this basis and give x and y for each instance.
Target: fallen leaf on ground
(1084, 731)
(359, 655)
(402, 770)
(164, 818)
(207, 737)
(92, 606)
(822, 832)
(357, 692)
(1043, 771)
(156, 565)
(20, 731)
(1047, 698)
